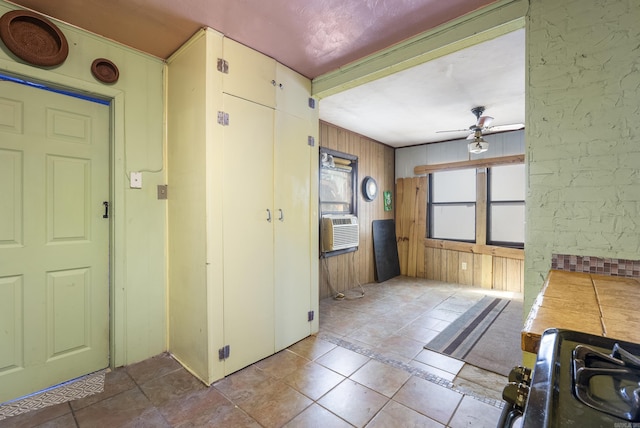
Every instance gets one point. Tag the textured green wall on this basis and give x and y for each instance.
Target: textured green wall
(138, 275)
(583, 132)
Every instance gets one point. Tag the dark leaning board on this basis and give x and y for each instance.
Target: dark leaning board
(385, 250)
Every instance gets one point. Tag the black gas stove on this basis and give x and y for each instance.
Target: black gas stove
(579, 380)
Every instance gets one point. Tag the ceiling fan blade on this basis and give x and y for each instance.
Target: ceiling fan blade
(484, 121)
(510, 127)
(455, 130)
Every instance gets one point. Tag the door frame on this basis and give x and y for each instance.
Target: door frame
(117, 183)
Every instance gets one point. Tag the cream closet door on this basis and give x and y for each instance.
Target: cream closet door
(54, 241)
(248, 218)
(292, 238)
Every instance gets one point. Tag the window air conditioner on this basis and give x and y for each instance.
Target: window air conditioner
(339, 232)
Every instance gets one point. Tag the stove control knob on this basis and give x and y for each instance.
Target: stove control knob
(520, 374)
(516, 394)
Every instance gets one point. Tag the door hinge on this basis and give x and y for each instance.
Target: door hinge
(310, 316)
(223, 353)
(311, 141)
(223, 118)
(223, 66)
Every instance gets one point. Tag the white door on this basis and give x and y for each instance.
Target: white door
(248, 218)
(54, 241)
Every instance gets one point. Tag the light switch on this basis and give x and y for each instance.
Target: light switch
(135, 181)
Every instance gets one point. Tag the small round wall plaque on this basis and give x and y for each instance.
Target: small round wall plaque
(33, 38)
(105, 70)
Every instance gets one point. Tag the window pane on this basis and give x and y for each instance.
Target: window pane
(507, 222)
(507, 183)
(336, 190)
(454, 186)
(454, 222)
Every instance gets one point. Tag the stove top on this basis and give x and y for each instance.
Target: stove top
(608, 383)
(582, 380)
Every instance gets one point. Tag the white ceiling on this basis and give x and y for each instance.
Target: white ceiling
(409, 107)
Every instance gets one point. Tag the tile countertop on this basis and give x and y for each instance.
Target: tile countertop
(595, 304)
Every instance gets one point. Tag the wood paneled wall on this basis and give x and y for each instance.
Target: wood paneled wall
(378, 161)
(484, 266)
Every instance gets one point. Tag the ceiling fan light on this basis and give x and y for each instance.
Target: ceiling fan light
(478, 145)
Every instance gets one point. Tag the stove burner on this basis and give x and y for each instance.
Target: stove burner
(608, 383)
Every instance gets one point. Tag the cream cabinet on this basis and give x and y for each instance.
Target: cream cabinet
(243, 280)
(247, 74)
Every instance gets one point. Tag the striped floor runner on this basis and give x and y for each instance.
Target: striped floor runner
(460, 337)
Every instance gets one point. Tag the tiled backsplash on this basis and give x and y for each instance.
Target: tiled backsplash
(599, 265)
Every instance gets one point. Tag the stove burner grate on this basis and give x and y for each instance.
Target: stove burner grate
(608, 383)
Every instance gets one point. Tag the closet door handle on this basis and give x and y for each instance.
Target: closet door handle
(281, 218)
(106, 209)
(268, 215)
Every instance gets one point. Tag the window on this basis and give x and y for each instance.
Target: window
(338, 181)
(505, 205)
(452, 205)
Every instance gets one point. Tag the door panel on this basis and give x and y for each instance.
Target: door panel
(54, 243)
(251, 74)
(11, 206)
(292, 246)
(248, 235)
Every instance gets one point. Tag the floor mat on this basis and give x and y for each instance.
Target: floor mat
(486, 336)
(72, 390)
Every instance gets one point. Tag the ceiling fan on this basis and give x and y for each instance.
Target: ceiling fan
(479, 145)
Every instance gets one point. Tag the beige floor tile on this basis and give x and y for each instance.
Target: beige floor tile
(417, 333)
(152, 368)
(377, 335)
(401, 345)
(115, 382)
(342, 361)
(130, 408)
(281, 364)
(244, 384)
(276, 406)
(428, 398)
(440, 361)
(311, 347)
(380, 377)
(313, 380)
(353, 402)
(476, 414)
(171, 386)
(395, 415)
(316, 416)
(36, 417)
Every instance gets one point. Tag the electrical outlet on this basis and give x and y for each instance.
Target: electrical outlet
(162, 191)
(464, 265)
(135, 180)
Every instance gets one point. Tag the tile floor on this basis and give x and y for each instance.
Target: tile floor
(366, 367)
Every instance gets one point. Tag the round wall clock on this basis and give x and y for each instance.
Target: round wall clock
(369, 189)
